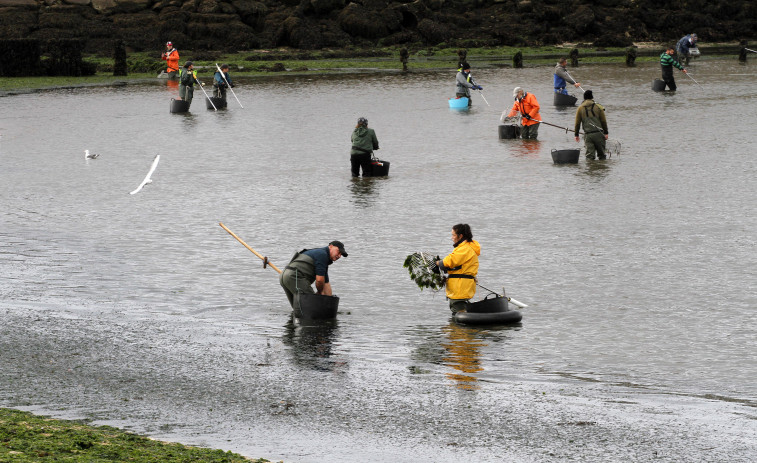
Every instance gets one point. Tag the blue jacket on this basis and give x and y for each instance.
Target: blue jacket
(684, 44)
(219, 82)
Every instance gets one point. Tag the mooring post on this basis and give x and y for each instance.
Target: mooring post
(518, 60)
(574, 57)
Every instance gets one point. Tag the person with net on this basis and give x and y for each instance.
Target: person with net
(461, 267)
(592, 116)
(527, 107)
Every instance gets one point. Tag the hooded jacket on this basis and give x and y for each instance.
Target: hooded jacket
(527, 106)
(364, 141)
(464, 256)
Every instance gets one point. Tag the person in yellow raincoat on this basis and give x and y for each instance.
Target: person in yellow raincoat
(462, 267)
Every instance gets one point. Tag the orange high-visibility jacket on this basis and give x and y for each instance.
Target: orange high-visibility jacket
(528, 105)
(172, 60)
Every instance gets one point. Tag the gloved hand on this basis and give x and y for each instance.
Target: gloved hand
(526, 116)
(477, 87)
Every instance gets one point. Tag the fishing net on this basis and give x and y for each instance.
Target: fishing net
(423, 270)
(612, 148)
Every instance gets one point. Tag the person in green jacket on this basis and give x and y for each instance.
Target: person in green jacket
(187, 81)
(592, 116)
(364, 141)
(667, 62)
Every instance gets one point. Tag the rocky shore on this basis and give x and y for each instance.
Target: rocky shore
(233, 25)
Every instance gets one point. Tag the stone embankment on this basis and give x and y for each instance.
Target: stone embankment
(233, 25)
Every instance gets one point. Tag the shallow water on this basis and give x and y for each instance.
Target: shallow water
(639, 271)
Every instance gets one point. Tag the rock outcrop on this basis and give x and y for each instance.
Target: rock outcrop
(233, 25)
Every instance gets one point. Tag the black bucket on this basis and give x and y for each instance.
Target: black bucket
(317, 307)
(379, 168)
(179, 106)
(566, 156)
(496, 304)
(508, 131)
(658, 85)
(564, 100)
(216, 101)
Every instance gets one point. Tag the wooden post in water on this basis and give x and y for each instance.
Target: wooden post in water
(631, 56)
(518, 60)
(742, 51)
(574, 57)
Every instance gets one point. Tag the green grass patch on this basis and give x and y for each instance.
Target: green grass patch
(25, 437)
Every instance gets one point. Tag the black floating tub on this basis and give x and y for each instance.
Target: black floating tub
(565, 156)
(179, 106)
(508, 131)
(218, 102)
(494, 311)
(564, 100)
(379, 168)
(317, 307)
(493, 318)
(658, 85)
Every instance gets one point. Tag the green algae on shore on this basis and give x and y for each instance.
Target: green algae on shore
(25, 437)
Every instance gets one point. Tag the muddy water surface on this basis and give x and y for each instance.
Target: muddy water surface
(141, 312)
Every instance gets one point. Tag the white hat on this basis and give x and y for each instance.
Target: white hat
(516, 90)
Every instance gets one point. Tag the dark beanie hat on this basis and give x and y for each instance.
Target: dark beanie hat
(588, 95)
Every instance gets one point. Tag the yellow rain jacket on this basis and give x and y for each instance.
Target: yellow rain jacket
(462, 261)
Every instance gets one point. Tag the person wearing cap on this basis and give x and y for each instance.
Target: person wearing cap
(171, 57)
(667, 63)
(562, 78)
(307, 267)
(222, 81)
(461, 267)
(528, 108)
(683, 47)
(465, 82)
(364, 141)
(187, 78)
(592, 116)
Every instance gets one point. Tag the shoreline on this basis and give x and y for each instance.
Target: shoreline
(294, 62)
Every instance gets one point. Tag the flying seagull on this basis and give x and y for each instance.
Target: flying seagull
(149, 173)
(88, 155)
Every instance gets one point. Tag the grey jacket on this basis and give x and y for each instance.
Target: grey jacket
(562, 72)
(463, 84)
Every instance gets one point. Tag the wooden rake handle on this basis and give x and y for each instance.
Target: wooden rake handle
(264, 259)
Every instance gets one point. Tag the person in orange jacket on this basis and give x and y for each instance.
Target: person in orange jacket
(171, 57)
(528, 107)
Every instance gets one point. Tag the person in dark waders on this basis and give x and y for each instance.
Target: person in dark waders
(667, 62)
(221, 82)
(364, 141)
(307, 267)
(592, 116)
(465, 83)
(461, 267)
(187, 78)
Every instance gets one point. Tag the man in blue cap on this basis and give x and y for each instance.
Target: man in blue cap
(307, 267)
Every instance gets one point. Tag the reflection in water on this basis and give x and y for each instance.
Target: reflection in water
(463, 353)
(364, 190)
(524, 148)
(312, 344)
(597, 169)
